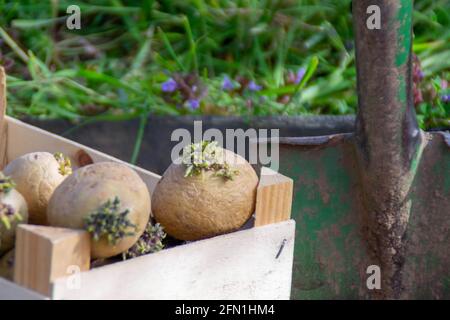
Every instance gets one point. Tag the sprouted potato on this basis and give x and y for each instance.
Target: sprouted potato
(107, 199)
(211, 192)
(36, 176)
(13, 210)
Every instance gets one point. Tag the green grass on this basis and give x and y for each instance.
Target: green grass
(114, 66)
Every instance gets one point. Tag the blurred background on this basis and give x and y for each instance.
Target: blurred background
(135, 59)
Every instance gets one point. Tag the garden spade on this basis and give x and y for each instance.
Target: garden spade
(373, 207)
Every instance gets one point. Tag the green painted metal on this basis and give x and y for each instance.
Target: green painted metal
(404, 40)
(328, 248)
(379, 196)
(331, 249)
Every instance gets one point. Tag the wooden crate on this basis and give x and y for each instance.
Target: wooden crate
(252, 263)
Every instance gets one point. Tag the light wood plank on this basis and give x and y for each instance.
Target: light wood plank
(24, 138)
(273, 198)
(44, 254)
(3, 124)
(11, 291)
(249, 264)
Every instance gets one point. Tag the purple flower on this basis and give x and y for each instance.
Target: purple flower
(299, 76)
(421, 74)
(444, 84)
(227, 85)
(252, 86)
(169, 86)
(445, 98)
(194, 104)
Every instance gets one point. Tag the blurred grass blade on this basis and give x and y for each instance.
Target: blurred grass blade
(13, 45)
(103, 78)
(170, 50)
(36, 23)
(192, 44)
(312, 67)
(144, 51)
(140, 135)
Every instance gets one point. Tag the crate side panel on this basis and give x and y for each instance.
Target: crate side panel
(11, 291)
(249, 264)
(3, 123)
(24, 138)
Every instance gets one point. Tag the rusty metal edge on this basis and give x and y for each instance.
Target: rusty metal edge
(313, 142)
(446, 136)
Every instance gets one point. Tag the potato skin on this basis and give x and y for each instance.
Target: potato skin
(196, 207)
(90, 187)
(36, 176)
(17, 202)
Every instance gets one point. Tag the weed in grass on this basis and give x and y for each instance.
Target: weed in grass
(227, 57)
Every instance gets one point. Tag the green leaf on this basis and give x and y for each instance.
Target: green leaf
(103, 78)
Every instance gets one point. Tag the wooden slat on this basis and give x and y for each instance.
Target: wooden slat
(3, 124)
(18, 138)
(273, 198)
(44, 254)
(24, 138)
(11, 291)
(249, 264)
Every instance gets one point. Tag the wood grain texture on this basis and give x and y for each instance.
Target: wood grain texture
(249, 264)
(273, 198)
(3, 123)
(44, 254)
(24, 138)
(254, 263)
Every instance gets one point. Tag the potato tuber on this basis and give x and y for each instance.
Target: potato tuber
(107, 199)
(36, 176)
(210, 193)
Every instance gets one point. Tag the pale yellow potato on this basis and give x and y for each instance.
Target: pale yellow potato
(36, 176)
(88, 188)
(202, 206)
(15, 200)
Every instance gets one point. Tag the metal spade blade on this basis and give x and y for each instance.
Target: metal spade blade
(379, 196)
